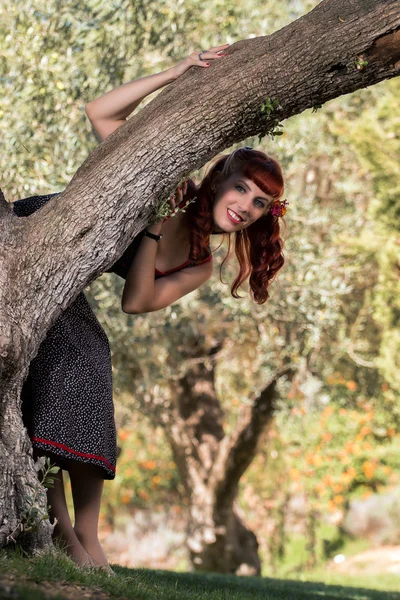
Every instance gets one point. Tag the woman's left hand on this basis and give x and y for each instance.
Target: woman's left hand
(194, 61)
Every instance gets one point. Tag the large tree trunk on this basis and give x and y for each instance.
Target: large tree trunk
(18, 478)
(49, 257)
(211, 464)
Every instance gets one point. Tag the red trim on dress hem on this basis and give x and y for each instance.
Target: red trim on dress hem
(64, 447)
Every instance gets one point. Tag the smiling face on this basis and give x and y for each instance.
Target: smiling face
(238, 203)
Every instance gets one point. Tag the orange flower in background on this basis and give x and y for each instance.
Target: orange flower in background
(338, 499)
(328, 411)
(357, 450)
(365, 430)
(156, 479)
(294, 474)
(337, 488)
(125, 499)
(297, 411)
(352, 386)
(148, 464)
(327, 437)
(144, 495)
(331, 506)
(318, 460)
(343, 412)
(369, 469)
(123, 434)
(390, 432)
(314, 459)
(328, 480)
(346, 477)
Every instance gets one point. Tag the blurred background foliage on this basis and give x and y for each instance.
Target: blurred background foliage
(334, 310)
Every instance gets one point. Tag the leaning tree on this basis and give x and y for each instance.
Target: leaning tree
(49, 257)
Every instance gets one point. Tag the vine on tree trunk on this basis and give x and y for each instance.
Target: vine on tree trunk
(32, 514)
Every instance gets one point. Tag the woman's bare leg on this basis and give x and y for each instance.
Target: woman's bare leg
(87, 487)
(63, 529)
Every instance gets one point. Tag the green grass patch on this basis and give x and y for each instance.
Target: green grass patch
(146, 584)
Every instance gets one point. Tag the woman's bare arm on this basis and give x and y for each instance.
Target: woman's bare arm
(167, 289)
(142, 292)
(110, 111)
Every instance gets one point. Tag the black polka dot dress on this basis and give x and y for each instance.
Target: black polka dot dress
(67, 402)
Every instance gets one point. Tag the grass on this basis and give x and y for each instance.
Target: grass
(33, 578)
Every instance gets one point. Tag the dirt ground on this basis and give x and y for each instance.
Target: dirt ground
(375, 561)
(14, 587)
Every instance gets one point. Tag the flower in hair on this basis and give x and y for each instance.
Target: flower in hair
(278, 208)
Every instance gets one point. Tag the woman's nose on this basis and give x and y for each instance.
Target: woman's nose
(244, 205)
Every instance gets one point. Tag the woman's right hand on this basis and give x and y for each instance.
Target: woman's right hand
(193, 59)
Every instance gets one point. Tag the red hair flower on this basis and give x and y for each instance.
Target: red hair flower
(278, 208)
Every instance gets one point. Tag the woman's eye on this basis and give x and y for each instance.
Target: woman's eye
(240, 187)
(259, 203)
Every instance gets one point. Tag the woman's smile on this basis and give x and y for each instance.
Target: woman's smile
(233, 216)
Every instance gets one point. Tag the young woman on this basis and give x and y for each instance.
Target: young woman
(67, 398)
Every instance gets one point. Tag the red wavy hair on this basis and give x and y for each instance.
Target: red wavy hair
(258, 248)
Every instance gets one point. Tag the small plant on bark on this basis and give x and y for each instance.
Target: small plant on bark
(165, 210)
(361, 63)
(316, 107)
(268, 107)
(32, 514)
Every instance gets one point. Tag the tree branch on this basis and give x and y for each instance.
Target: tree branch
(185, 449)
(237, 450)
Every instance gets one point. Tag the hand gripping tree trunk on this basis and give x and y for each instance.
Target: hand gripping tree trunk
(211, 464)
(48, 258)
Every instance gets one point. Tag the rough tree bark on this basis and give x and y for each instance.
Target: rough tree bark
(211, 464)
(49, 257)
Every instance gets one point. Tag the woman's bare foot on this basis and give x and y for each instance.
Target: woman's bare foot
(93, 549)
(74, 549)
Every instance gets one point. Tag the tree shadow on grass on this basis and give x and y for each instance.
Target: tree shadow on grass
(198, 586)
